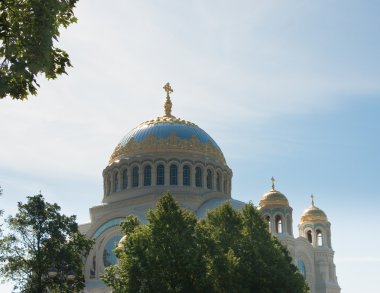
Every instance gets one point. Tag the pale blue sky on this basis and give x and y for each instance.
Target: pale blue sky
(288, 89)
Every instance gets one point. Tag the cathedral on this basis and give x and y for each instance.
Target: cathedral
(171, 154)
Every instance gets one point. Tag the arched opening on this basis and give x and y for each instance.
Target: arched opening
(309, 236)
(278, 222)
(186, 175)
(225, 186)
(319, 238)
(160, 174)
(135, 177)
(209, 179)
(109, 257)
(115, 181)
(198, 177)
(218, 182)
(267, 218)
(173, 175)
(301, 267)
(147, 175)
(125, 179)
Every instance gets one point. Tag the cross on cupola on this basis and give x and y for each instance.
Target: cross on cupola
(168, 103)
(273, 186)
(312, 199)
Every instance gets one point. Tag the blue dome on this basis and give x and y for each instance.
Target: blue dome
(167, 133)
(164, 130)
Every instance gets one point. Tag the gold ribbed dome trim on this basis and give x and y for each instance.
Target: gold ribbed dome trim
(273, 197)
(313, 213)
(173, 143)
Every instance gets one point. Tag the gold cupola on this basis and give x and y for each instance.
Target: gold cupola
(273, 198)
(313, 214)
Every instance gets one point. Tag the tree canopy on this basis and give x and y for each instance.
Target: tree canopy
(29, 30)
(40, 238)
(228, 251)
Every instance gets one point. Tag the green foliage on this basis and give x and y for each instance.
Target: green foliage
(41, 237)
(229, 251)
(162, 256)
(28, 30)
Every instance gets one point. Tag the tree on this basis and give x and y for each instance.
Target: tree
(244, 256)
(229, 251)
(40, 238)
(161, 256)
(28, 31)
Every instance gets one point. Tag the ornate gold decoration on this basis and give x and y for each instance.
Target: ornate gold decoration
(152, 144)
(168, 103)
(313, 214)
(168, 119)
(273, 197)
(172, 143)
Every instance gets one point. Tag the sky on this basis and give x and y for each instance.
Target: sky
(288, 89)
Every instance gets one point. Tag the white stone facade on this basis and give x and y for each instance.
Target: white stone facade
(170, 154)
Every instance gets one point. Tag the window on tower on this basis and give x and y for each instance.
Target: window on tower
(278, 222)
(309, 236)
(209, 179)
(147, 175)
(160, 174)
(125, 179)
(173, 175)
(319, 238)
(115, 181)
(186, 175)
(267, 218)
(198, 177)
(218, 188)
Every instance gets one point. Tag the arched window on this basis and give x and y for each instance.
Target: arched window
(186, 175)
(135, 177)
(173, 175)
(160, 174)
(209, 179)
(267, 218)
(309, 236)
(301, 267)
(319, 238)
(278, 224)
(217, 181)
(125, 179)
(115, 182)
(109, 257)
(147, 175)
(198, 177)
(225, 186)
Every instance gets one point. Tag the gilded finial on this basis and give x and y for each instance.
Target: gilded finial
(168, 103)
(312, 200)
(273, 186)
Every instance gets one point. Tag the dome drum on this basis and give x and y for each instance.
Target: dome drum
(131, 178)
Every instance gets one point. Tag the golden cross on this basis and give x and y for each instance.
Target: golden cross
(168, 89)
(312, 199)
(273, 180)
